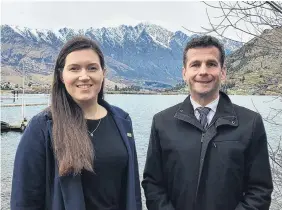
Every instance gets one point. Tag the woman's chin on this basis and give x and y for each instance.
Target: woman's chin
(85, 100)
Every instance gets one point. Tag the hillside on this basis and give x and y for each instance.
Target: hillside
(256, 68)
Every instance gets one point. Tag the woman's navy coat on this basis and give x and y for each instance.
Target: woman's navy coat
(36, 183)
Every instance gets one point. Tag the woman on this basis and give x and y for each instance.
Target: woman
(79, 154)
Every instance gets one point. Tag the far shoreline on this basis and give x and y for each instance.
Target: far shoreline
(110, 92)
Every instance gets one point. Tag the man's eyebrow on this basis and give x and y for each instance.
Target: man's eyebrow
(212, 60)
(194, 61)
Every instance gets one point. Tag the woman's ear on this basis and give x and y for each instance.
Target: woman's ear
(105, 72)
(61, 77)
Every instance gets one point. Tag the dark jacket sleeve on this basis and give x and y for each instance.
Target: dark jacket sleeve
(258, 180)
(137, 183)
(136, 172)
(28, 182)
(153, 181)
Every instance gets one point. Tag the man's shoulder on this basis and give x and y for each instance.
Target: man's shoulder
(245, 113)
(168, 112)
(240, 111)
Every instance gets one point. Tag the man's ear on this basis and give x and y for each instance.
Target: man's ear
(184, 73)
(223, 73)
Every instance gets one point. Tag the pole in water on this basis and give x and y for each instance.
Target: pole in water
(23, 115)
(14, 94)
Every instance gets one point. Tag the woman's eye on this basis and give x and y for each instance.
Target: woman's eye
(93, 68)
(73, 69)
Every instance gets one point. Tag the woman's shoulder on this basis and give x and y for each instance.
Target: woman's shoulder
(35, 135)
(120, 112)
(115, 110)
(40, 120)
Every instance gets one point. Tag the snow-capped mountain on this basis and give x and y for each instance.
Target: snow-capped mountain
(146, 52)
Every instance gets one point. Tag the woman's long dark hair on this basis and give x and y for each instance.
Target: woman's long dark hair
(72, 146)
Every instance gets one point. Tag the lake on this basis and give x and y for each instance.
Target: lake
(141, 109)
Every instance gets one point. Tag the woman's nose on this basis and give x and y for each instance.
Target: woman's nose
(84, 75)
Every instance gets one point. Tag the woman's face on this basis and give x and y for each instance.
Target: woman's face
(83, 75)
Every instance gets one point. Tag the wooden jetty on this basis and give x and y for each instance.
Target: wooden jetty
(20, 126)
(32, 104)
(5, 127)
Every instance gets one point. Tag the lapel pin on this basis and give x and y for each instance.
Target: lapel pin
(129, 134)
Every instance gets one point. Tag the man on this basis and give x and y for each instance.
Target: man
(207, 153)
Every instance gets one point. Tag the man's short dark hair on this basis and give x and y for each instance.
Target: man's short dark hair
(204, 41)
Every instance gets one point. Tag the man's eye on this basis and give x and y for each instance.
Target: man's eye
(212, 64)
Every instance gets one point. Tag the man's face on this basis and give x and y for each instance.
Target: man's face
(203, 72)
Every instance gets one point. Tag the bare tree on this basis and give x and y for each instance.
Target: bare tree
(246, 18)
(275, 154)
(252, 19)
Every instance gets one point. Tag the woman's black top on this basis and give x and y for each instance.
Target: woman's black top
(105, 188)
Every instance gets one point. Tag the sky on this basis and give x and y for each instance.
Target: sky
(173, 15)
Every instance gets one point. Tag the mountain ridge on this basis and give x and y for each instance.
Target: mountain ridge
(134, 54)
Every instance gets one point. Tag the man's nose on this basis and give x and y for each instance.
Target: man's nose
(203, 69)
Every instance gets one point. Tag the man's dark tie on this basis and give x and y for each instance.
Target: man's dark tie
(203, 115)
